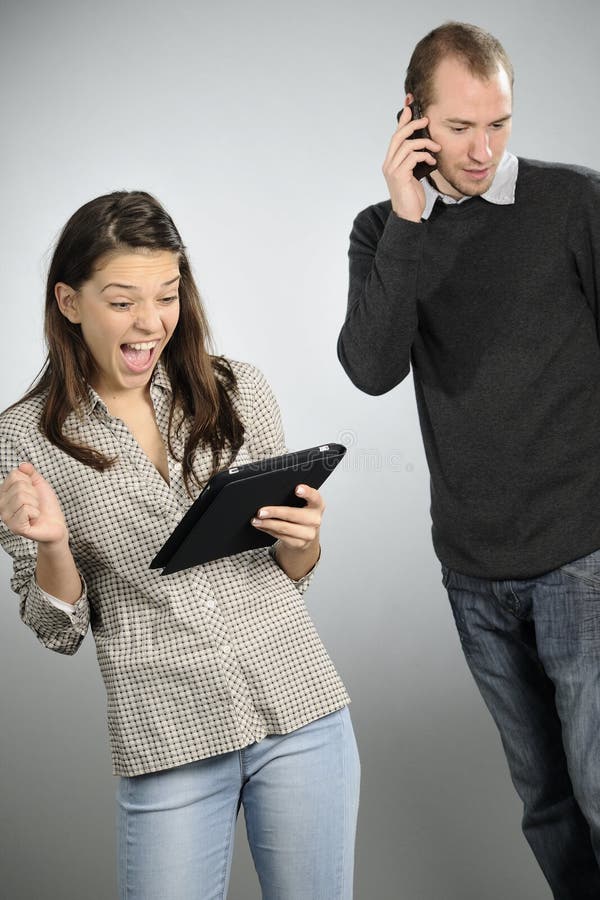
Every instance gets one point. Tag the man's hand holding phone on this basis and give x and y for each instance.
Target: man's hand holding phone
(404, 154)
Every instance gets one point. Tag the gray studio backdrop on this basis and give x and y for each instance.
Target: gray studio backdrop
(262, 127)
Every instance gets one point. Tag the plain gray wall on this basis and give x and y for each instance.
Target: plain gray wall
(262, 127)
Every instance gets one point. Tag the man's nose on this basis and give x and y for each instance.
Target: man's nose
(480, 147)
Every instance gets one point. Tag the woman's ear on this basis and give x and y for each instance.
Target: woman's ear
(68, 302)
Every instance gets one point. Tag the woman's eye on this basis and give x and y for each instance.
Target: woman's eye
(121, 304)
(167, 300)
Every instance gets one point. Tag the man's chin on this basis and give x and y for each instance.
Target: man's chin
(471, 187)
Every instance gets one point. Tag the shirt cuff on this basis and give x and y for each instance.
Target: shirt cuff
(68, 608)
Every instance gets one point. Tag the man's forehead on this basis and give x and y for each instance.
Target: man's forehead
(453, 80)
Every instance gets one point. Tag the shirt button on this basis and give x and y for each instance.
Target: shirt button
(225, 648)
(210, 604)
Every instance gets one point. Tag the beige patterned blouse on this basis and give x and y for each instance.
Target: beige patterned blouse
(196, 663)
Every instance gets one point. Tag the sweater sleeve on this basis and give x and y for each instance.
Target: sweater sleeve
(381, 320)
(584, 229)
(55, 629)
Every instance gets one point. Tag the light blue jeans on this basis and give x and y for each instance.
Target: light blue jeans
(299, 791)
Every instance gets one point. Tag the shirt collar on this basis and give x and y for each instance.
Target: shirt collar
(501, 191)
(160, 378)
(92, 402)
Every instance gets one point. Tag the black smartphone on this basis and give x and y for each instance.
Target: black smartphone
(422, 169)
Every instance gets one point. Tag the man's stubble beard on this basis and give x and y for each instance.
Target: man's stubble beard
(466, 189)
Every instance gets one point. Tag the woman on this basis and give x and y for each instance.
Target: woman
(219, 690)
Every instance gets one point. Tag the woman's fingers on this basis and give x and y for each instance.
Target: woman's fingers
(296, 526)
(290, 533)
(18, 493)
(314, 505)
(29, 506)
(21, 520)
(303, 516)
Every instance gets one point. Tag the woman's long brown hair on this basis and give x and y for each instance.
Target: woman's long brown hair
(202, 384)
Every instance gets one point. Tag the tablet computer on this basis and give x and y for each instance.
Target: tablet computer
(217, 524)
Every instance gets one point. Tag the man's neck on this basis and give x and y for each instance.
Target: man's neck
(501, 191)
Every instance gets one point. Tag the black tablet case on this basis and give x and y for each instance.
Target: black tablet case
(218, 522)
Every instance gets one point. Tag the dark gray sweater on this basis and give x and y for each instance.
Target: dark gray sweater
(496, 308)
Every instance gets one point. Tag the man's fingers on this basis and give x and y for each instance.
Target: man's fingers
(423, 156)
(414, 146)
(402, 133)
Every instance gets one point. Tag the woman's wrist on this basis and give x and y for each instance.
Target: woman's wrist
(56, 573)
(55, 549)
(297, 562)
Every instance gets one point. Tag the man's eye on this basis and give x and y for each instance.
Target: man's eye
(498, 125)
(458, 130)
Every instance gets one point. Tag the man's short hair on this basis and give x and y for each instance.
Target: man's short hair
(479, 50)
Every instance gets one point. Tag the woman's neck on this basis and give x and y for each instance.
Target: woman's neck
(126, 402)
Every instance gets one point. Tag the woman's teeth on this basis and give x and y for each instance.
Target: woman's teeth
(140, 354)
(149, 345)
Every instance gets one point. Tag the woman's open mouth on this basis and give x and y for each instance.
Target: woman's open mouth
(139, 357)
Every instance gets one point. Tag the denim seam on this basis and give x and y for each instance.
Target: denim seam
(342, 881)
(517, 608)
(127, 820)
(227, 855)
(507, 607)
(242, 764)
(578, 575)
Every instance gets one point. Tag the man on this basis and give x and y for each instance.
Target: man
(485, 277)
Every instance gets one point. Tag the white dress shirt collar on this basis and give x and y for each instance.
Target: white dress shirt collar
(501, 191)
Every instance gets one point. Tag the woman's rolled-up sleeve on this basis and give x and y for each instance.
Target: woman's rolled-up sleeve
(56, 629)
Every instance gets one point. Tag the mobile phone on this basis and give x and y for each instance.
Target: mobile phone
(422, 169)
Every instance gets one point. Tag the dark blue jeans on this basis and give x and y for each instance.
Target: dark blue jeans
(533, 647)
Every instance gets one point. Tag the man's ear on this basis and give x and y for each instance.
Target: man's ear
(68, 302)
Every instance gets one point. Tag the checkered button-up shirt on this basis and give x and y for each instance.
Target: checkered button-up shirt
(196, 663)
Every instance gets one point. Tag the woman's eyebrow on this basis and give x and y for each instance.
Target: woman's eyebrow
(134, 287)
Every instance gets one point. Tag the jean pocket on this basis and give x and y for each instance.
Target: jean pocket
(585, 569)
